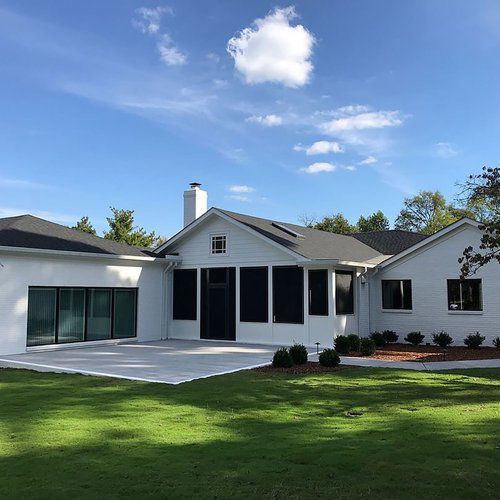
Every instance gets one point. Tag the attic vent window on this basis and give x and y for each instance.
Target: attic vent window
(218, 244)
(287, 230)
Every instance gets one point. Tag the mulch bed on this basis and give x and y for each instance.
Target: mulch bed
(430, 353)
(309, 367)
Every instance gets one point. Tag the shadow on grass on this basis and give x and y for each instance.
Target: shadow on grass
(251, 435)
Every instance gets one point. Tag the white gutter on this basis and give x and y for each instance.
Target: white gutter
(90, 255)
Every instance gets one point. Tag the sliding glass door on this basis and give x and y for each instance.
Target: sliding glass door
(59, 315)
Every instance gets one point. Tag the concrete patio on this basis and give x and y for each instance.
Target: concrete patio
(168, 361)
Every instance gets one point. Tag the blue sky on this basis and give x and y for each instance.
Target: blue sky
(278, 109)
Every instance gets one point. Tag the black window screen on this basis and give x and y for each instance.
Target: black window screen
(344, 292)
(465, 295)
(254, 294)
(288, 295)
(318, 292)
(185, 295)
(396, 294)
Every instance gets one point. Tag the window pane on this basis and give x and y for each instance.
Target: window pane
(124, 314)
(41, 316)
(254, 294)
(318, 292)
(465, 295)
(407, 295)
(71, 315)
(185, 296)
(344, 292)
(99, 314)
(454, 301)
(396, 294)
(288, 295)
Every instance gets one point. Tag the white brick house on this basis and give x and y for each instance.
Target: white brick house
(235, 277)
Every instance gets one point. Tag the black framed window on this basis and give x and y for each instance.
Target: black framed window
(318, 292)
(396, 294)
(218, 244)
(185, 294)
(344, 292)
(465, 295)
(288, 294)
(59, 315)
(254, 294)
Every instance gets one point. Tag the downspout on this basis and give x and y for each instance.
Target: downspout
(165, 309)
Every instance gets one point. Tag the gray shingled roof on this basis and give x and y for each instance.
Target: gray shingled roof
(314, 245)
(27, 231)
(390, 242)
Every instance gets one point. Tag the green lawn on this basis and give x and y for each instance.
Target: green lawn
(252, 435)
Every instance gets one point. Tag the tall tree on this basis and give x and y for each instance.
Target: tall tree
(335, 223)
(427, 212)
(122, 229)
(374, 222)
(84, 225)
(483, 190)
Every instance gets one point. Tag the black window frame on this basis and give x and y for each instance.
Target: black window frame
(350, 311)
(299, 318)
(245, 315)
(177, 314)
(405, 297)
(461, 283)
(318, 305)
(86, 289)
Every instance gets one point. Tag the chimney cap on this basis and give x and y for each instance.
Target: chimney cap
(194, 185)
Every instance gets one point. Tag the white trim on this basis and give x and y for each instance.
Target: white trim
(213, 235)
(394, 311)
(465, 312)
(428, 240)
(91, 255)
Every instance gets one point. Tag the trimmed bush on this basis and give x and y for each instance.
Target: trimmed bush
(342, 344)
(378, 338)
(390, 337)
(414, 338)
(474, 340)
(298, 352)
(329, 357)
(353, 342)
(496, 342)
(442, 339)
(367, 347)
(282, 358)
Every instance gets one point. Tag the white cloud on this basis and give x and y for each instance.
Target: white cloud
(239, 197)
(316, 168)
(370, 160)
(320, 148)
(43, 214)
(351, 109)
(169, 53)
(272, 50)
(445, 150)
(220, 84)
(362, 121)
(148, 19)
(20, 184)
(267, 120)
(351, 168)
(241, 189)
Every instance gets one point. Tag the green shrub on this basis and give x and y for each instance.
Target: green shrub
(378, 338)
(442, 339)
(415, 338)
(329, 357)
(390, 337)
(496, 342)
(282, 358)
(474, 340)
(367, 347)
(342, 344)
(298, 352)
(353, 342)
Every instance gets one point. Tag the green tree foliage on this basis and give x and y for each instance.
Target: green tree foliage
(427, 212)
(483, 192)
(335, 223)
(374, 222)
(84, 225)
(122, 229)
